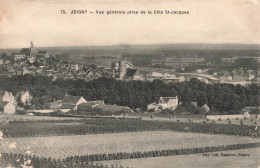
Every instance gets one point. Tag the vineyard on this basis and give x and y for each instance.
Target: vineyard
(188, 161)
(102, 125)
(18, 160)
(86, 142)
(117, 142)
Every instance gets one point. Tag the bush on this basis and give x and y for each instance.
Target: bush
(167, 111)
(21, 112)
(255, 111)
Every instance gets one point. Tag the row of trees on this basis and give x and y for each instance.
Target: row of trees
(83, 161)
(135, 94)
(21, 160)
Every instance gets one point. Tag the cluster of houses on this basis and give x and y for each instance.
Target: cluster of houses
(9, 103)
(170, 103)
(78, 103)
(163, 103)
(31, 61)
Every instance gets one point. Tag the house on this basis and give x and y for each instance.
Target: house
(163, 103)
(153, 107)
(7, 107)
(205, 107)
(91, 104)
(24, 97)
(195, 104)
(31, 60)
(10, 70)
(74, 67)
(168, 103)
(8, 97)
(71, 102)
(19, 56)
(42, 61)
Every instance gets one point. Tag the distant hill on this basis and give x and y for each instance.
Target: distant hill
(117, 50)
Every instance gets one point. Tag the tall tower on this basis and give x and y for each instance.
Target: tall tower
(31, 44)
(122, 69)
(32, 52)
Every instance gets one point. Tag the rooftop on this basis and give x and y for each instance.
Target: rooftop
(71, 99)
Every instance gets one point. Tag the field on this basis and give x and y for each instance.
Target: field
(201, 120)
(77, 142)
(64, 146)
(31, 118)
(195, 160)
(36, 128)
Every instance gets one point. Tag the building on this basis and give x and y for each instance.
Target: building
(74, 67)
(19, 56)
(71, 103)
(205, 107)
(153, 107)
(122, 66)
(8, 97)
(168, 103)
(29, 53)
(7, 107)
(89, 105)
(163, 103)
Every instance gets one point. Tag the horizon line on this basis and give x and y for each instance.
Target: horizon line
(129, 45)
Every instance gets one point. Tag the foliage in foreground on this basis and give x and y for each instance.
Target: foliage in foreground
(85, 161)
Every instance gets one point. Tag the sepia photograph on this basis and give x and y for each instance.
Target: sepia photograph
(129, 84)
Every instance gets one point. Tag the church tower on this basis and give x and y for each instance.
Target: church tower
(32, 54)
(122, 68)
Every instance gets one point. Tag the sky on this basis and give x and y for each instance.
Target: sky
(40, 21)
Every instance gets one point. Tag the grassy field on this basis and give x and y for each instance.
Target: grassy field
(64, 146)
(196, 160)
(198, 120)
(194, 118)
(29, 118)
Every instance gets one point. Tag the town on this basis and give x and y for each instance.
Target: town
(171, 68)
(129, 84)
(125, 95)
